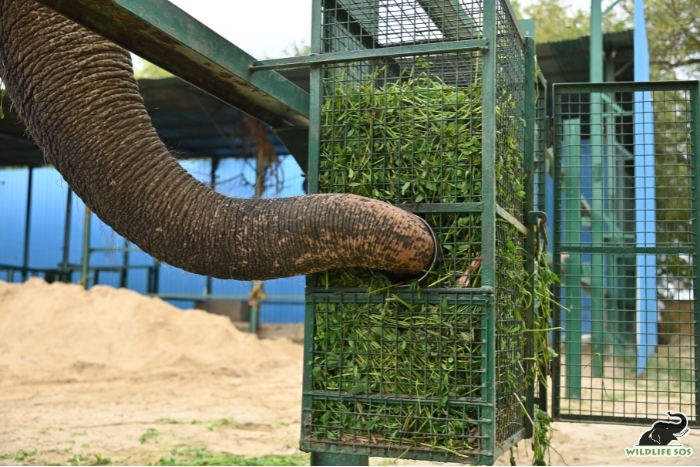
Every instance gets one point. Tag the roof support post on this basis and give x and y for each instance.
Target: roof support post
(27, 225)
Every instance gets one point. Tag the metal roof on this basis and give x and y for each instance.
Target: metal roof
(192, 124)
(568, 61)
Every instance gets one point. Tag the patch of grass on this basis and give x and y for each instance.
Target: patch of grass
(222, 422)
(168, 420)
(151, 435)
(94, 459)
(99, 460)
(25, 455)
(77, 459)
(195, 456)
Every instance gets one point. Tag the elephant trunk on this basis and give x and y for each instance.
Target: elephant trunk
(682, 424)
(78, 98)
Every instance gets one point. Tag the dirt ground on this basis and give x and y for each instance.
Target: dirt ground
(90, 376)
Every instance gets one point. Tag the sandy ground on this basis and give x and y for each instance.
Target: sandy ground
(93, 385)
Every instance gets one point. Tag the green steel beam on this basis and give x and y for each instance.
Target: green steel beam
(488, 148)
(572, 279)
(597, 230)
(557, 174)
(529, 206)
(613, 212)
(165, 35)
(488, 228)
(596, 43)
(369, 54)
(625, 86)
(695, 143)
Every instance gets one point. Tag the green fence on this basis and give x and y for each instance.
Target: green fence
(424, 104)
(626, 204)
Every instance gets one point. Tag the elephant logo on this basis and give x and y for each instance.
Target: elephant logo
(663, 432)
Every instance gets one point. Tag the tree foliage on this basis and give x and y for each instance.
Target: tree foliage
(145, 69)
(673, 29)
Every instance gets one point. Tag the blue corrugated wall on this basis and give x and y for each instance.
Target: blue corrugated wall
(49, 191)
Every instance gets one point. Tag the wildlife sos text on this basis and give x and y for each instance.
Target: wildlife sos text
(669, 451)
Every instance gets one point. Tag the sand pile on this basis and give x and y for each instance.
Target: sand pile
(65, 330)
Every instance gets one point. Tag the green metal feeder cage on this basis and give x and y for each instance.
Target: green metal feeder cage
(430, 105)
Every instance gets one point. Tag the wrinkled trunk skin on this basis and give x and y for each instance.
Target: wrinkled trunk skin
(77, 95)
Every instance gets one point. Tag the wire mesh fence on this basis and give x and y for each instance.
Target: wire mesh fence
(625, 250)
(430, 370)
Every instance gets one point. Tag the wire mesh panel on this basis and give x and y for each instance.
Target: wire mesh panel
(430, 368)
(401, 372)
(625, 250)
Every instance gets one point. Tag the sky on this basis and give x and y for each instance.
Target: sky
(265, 28)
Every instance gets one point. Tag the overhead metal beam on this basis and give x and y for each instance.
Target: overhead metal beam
(451, 18)
(163, 34)
(368, 54)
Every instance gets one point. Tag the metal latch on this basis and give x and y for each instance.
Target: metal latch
(539, 219)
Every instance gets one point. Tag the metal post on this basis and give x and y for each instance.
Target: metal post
(596, 43)
(644, 198)
(597, 225)
(27, 225)
(65, 274)
(695, 144)
(572, 237)
(612, 196)
(529, 205)
(86, 248)
(488, 217)
(124, 274)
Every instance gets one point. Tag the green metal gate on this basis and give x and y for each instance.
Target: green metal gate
(626, 204)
